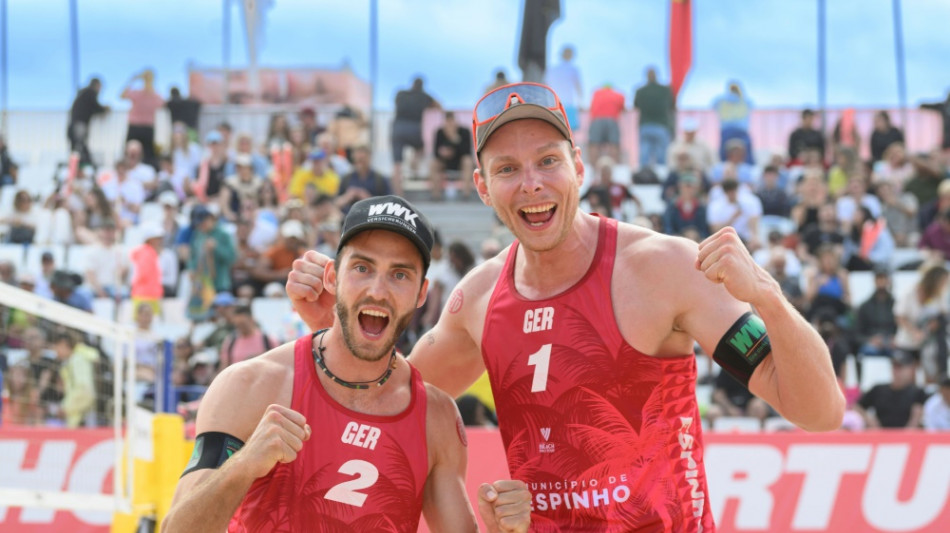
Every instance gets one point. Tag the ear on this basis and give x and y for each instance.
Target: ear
(481, 185)
(423, 293)
(329, 277)
(578, 166)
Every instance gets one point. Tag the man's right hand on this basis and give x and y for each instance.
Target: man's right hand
(305, 290)
(278, 437)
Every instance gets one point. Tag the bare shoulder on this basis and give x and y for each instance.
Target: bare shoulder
(239, 395)
(483, 277)
(654, 253)
(443, 421)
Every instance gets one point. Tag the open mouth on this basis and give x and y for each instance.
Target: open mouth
(373, 322)
(538, 215)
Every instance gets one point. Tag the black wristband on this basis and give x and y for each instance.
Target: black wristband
(212, 449)
(743, 348)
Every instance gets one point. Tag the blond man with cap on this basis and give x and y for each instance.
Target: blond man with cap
(339, 433)
(586, 327)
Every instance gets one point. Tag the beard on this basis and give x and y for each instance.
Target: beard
(350, 336)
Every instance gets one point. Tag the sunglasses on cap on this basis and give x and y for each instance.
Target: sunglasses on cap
(495, 103)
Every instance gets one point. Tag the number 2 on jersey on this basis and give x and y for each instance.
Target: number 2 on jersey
(346, 492)
(540, 360)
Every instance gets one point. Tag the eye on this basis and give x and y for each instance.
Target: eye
(401, 276)
(548, 161)
(361, 269)
(507, 169)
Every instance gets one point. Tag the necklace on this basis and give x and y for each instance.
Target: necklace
(358, 385)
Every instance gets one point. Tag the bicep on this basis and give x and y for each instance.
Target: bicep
(444, 502)
(448, 357)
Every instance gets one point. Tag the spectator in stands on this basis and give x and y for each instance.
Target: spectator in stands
(501, 79)
(145, 102)
(825, 231)
(733, 110)
(806, 136)
(657, 109)
(921, 311)
(317, 174)
(22, 221)
(7, 171)
(363, 182)
(929, 172)
(212, 252)
(77, 372)
(857, 196)
(730, 398)
(701, 155)
(43, 373)
(96, 211)
(124, 192)
(223, 309)
(868, 243)
(278, 131)
(211, 171)
(944, 109)
(242, 186)
(936, 415)
(895, 166)
(734, 160)
(22, 406)
(7, 272)
(607, 197)
(603, 135)
(845, 135)
(785, 268)
(826, 284)
(184, 111)
(407, 129)
(812, 195)
(276, 263)
(169, 202)
(688, 208)
(451, 157)
(247, 256)
(85, 106)
(137, 169)
(740, 209)
(935, 241)
(898, 404)
(883, 135)
(311, 127)
(829, 327)
(683, 163)
(350, 129)
(146, 287)
(900, 211)
(775, 245)
(246, 341)
(846, 165)
(565, 79)
(874, 321)
(775, 201)
(243, 149)
(225, 129)
(337, 158)
(147, 346)
(107, 266)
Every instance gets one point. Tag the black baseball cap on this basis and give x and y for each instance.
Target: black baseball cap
(390, 213)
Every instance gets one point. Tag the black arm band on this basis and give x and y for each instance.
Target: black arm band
(212, 449)
(743, 348)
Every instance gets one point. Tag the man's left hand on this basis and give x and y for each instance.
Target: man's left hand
(723, 258)
(505, 506)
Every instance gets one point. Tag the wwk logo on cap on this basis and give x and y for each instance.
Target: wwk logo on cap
(393, 209)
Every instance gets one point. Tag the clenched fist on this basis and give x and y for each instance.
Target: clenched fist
(723, 258)
(305, 289)
(505, 506)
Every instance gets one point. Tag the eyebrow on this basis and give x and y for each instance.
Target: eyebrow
(506, 158)
(405, 266)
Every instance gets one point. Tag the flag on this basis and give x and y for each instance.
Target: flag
(681, 42)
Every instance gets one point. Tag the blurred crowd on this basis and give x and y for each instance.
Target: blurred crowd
(215, 221)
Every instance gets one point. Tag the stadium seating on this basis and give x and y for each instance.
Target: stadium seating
(739, 424)
(875, 370)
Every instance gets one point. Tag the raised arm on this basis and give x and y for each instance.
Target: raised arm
(206, 499)
(797, 377)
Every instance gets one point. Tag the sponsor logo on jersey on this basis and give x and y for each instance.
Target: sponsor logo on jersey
(687, 442)
(546, 447)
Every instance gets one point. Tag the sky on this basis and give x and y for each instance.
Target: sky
(770, 46)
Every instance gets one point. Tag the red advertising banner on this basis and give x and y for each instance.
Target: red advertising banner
(763, 482)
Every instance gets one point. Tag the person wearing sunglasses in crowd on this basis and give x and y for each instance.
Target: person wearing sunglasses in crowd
(586, 327)
(339, 433)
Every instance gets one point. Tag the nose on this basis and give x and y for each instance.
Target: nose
(378, 288)
(532, 182)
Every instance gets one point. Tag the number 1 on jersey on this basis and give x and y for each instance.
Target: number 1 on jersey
(540, 360)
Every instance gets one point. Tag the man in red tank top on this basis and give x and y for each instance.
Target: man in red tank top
(586, 327)
(336, 432)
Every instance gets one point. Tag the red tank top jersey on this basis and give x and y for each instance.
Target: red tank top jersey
(607, 438)
(358, 472)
